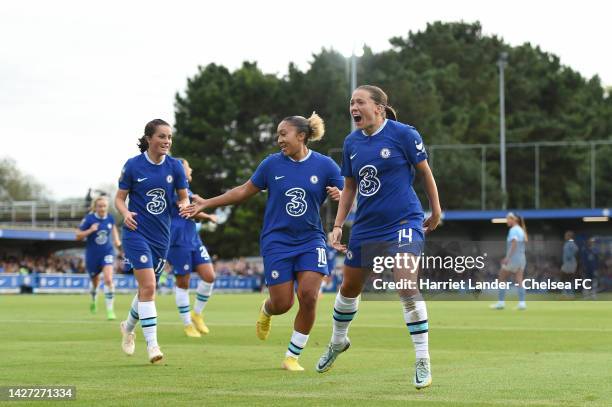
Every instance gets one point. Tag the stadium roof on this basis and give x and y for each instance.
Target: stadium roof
(528, 214)
(37, 234)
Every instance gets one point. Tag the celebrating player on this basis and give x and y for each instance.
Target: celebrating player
(292, 238)
(515, 261)
(150, 180)
(187, 253)
(379, 160)
(97, 227)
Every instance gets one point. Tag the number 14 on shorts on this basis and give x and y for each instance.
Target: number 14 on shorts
(405, 236)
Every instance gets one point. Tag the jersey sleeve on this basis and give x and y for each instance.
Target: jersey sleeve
(347, 169)
(335, 177)
(514, 234)
(125, 179)
(413, 146)
(85, 223)
(180, 179)
(260, 176)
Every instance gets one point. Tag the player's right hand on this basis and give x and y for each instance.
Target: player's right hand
(94, 227)
(336, 237)
(129, 221)
(197, 204)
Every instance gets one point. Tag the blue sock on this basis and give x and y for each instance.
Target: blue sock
(501, 295)
(521, 293)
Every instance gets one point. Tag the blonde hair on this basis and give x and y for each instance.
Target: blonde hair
(95, 202)
(313, 127)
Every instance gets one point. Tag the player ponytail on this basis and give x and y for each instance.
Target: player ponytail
(313, 127)
(523, 225)
(143, 142)
(380, 98)
(316, 127)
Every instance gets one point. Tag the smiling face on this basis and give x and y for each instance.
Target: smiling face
(101, 207)
(289, 140)
(367, 114)
(161, 141)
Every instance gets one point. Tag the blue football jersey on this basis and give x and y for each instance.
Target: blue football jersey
(183, 231)
(151, 187)
(383, 168)
(296, 190)
(100, 242)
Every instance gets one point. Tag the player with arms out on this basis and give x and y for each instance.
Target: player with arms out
(292, 240)
(97, 228)
(187, 253)
(379, 162)
(150, 180)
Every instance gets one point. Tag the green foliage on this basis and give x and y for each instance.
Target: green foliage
(444, 81)
(16, 186)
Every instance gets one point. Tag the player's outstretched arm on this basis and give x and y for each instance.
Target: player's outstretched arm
(231, 197)
(431, 189)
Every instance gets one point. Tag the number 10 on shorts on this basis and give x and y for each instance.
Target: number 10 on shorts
(405, 236)
(322, 260)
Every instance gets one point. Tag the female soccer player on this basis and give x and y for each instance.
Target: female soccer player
(97, 227)
(292, 238)
(379, 159)
(515, 261)
(149, 179)
(187, 253)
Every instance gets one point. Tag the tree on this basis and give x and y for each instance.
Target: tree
(16, 186)
(444, 81)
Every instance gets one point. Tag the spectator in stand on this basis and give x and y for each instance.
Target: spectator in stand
(569, 262)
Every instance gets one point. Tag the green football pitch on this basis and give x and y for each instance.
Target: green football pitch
(553, 354)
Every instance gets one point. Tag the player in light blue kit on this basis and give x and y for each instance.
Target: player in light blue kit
(150, 180)
(188, 254)
(97, 228)
(298, 181)
(379, 162)
(513, 264)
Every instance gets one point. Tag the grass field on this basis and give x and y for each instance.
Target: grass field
(554, 354)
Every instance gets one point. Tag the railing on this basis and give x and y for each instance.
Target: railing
(469, 176)
(32, 214)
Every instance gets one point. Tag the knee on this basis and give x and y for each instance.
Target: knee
(182, 283)
(146, 291)
(308, 299)
(280, 306)
(209, 276)
(350, 289)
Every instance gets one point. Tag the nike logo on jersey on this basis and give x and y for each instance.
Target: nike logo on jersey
(140, 179)
(353, 156)
(277, 178)
(418, 146)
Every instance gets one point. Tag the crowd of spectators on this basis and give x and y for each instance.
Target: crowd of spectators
(42, 264)
(74, 263)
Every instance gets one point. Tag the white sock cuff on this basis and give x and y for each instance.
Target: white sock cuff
(346, 303)
(299, 339)
(146, 309)
(181, 297)
(204, 288)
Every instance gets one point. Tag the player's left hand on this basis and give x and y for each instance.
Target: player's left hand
(432, 222)
(334, 193)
